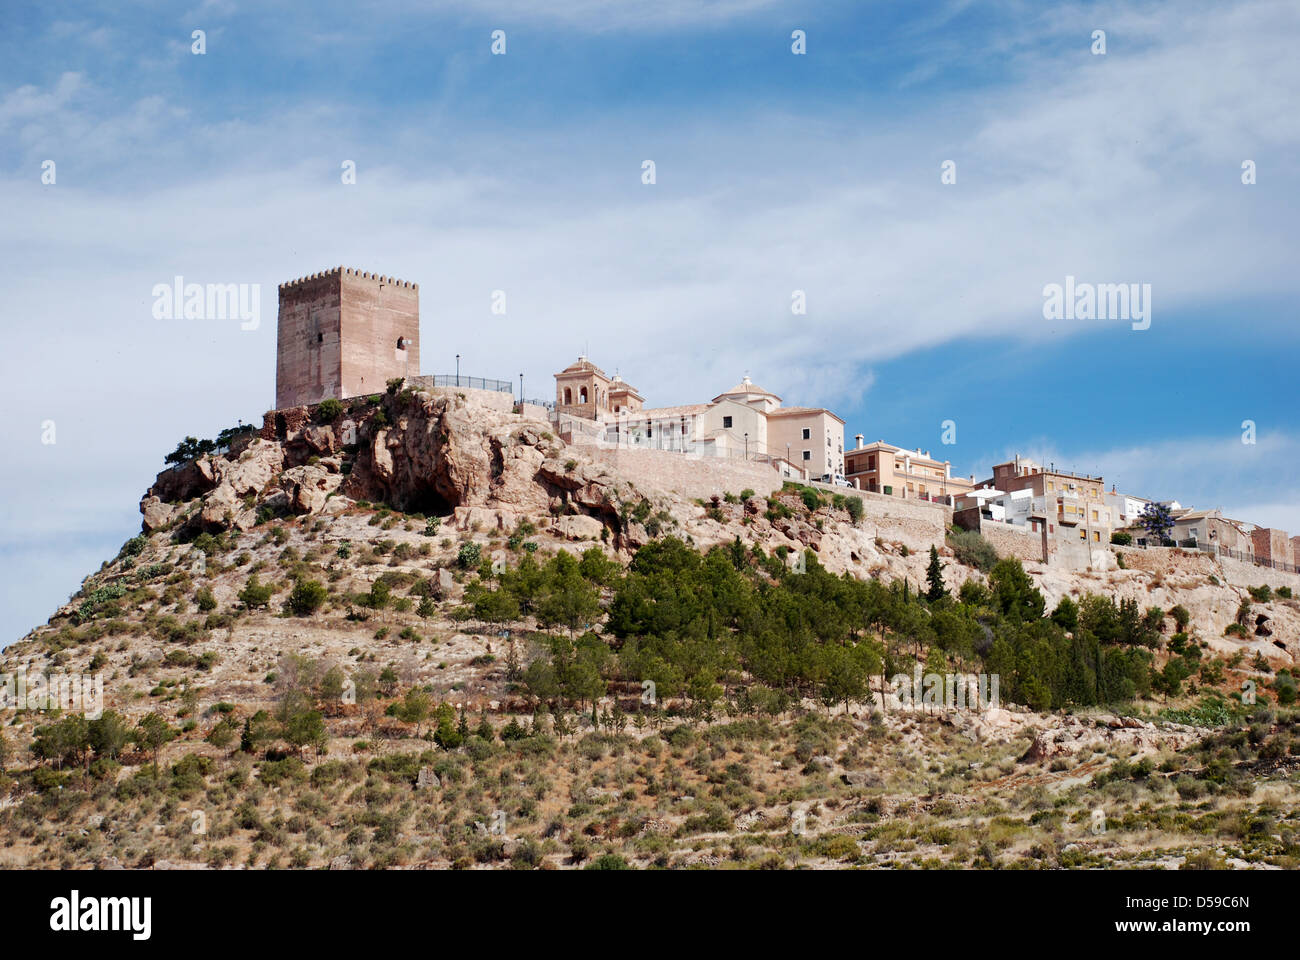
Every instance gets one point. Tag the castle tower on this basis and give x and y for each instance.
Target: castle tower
(344, 333)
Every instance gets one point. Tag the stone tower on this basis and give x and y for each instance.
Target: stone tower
(344, 333)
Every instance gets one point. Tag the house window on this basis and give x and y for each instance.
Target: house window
(807, 434)
(726, 422)
(807, 454)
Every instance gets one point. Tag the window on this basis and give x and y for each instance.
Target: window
(582, 395)
(807, 454)
(568, 395)
(401, 343)
(726, 423)
(1096, 536)
(807, 434)
(320, 338)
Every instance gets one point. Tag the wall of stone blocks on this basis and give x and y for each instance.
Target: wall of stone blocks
(376, 312)
(883, 505)
(691, 477)
(1272, 544)
(1012, 541)
(494, 399)
(308, 346)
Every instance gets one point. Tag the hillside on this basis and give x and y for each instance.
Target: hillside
(417, 631)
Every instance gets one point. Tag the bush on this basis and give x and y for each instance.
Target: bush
(255, 594)
(307, 597)
(1121, 539)
(854, 506)
(329, 410)
(205, 600)
(470, 556)
(973, 550)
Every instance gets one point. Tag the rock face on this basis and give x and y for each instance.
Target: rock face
(414, 451)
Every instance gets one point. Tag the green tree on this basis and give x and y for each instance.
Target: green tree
(934, 577)
(152, 733)
(109, 734)
(307, 597)
(415, 708)
(254, 594)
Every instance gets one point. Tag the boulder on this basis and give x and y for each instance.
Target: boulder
(308, 488)
(578, 528)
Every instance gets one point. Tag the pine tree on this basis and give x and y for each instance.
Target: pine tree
(934, 575)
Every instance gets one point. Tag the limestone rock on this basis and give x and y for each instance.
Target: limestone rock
(157, 515)
(578, 528)
(308, 488)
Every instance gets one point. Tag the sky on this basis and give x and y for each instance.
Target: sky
(821, 172)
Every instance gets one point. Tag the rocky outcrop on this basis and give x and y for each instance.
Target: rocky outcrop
(414, 451)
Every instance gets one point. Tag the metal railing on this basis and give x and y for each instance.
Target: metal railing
(461, 380)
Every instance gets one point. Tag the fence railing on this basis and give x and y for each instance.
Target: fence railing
(1216, 550)
(461, 380)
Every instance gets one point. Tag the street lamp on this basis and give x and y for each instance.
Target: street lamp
(458, 369)
(521, 393)
(746, 445)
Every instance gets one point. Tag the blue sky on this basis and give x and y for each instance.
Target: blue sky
(775, 173)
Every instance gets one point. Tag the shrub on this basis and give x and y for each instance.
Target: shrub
(973, 550)
(329, 410)
(255, 594)
(307, 597)
(1121, 539)
(854, 506)
(205, 600)
(470, 555)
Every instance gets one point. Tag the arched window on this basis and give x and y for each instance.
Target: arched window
(402, 343)
(582, 395)
(568, 396)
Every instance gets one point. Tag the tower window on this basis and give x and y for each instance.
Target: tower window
(402, 343)
(320, 338)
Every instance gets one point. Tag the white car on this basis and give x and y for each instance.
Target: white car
(836, 479)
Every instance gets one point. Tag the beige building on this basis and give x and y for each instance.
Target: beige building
(1210, 528)
(884, 468)
(1067, 504)
(745, 422)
